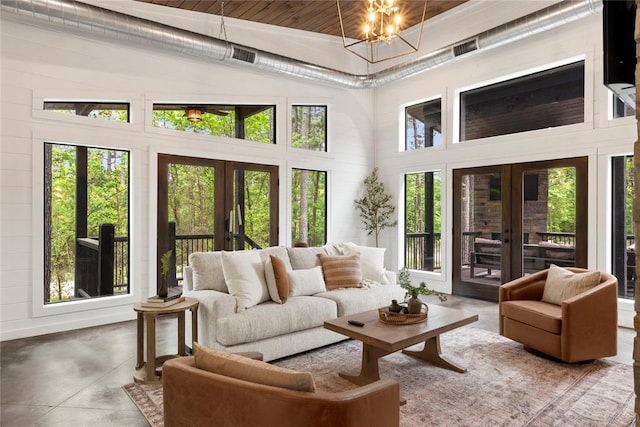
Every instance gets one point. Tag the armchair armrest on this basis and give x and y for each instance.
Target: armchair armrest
(590, 322)
(530, 287)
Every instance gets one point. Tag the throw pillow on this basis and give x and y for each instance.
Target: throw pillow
(255, 371)
(304, 258)
(275, 272)
(207, 271)
(244, 274)
(341, 271)
(371, 262)
(306, 282)
(563, 284)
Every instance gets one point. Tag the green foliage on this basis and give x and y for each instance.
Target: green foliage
(308, 127)
(375, 207)
(165, 263)
(404, 279)
(308, 207)
(561, 202)
(415, 202)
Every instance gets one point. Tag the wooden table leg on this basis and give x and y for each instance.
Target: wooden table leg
(194, 324)
(431, 353)
(140, 342)
(181, 346)
(151, 347)
(369, 370)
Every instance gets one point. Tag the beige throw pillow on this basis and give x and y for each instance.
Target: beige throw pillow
(255, 371)
(306, 282)
(341, 271)
(244, 274)
(563, 284)
(207, 271)
(371, 262)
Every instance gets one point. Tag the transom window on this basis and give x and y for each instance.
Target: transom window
(549, 98)
(423, 125)
(309, 127)
(112, 111)
(250, 122)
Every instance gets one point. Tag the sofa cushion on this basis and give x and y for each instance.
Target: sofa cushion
(255, 371)
(371, 262)
(563, 284)
(306, 282)
(207, 271)
(271, 319)
(275, 273)
(341, 271)
(244, 274)
(351, 300)
(538, 314)
(304, 258)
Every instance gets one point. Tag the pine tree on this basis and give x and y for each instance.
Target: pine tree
(375, 206)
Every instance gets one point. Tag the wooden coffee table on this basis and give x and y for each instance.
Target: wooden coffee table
(379, 339)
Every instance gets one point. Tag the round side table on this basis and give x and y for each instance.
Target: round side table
(149, 371)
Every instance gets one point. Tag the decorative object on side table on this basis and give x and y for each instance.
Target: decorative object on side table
(164, 297)
(164, 269)
(414, 304)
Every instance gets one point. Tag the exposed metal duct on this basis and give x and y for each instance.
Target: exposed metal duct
(106, 24)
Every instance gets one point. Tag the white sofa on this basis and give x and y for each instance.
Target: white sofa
(280, 329)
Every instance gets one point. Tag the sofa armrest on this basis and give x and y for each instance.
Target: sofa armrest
(196, 397)
(590, 322)
(187, 278)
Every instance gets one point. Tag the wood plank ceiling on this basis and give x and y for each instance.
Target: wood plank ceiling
(319, 16)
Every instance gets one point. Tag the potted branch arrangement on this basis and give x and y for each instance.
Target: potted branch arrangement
(414, 304)
(164, 269)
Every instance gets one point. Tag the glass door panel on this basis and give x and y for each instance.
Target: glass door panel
(479, 234)
(251, 214)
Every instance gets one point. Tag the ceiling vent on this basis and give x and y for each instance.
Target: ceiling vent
(243, 55)
(465, 47)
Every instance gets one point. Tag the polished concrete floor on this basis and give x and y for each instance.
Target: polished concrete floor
(75, 378)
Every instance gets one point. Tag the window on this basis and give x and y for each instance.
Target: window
(309, 127)
(423, 221)
(86, 201)
(620, 108)
(623, 247)
(423, 125)
(113, 111)
(541, 100)
(309, 207)
(250, 122)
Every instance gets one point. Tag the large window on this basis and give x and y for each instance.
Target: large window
(423, 125)
(250, 122)
(309, 127)
(422, 221)
(309, 207)
(86, 222)
(113, 111)
(623, 246)
(541, 100)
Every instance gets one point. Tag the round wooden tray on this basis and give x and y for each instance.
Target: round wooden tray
(391, 318)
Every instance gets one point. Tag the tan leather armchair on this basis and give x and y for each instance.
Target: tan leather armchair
(583, 327)
(194, 397)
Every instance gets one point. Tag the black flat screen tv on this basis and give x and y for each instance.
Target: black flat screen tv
(620, 48)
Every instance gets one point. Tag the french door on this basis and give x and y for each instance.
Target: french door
(512, 220)
(207, 205)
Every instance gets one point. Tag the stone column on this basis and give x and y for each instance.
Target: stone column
(636, 221)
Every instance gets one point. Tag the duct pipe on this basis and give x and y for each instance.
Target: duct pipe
(106, 24)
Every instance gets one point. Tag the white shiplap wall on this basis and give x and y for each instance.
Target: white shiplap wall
(40, 63)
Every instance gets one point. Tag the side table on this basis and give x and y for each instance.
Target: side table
(149, 371)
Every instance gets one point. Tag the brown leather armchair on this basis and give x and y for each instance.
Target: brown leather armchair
(583, 327)
(195, 397)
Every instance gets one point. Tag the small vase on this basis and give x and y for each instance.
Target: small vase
(163, 292)
(395, 307)
(414, 305)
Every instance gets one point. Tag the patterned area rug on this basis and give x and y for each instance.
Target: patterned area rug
(504, 385)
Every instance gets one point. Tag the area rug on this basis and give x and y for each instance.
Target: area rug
(504, 385)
